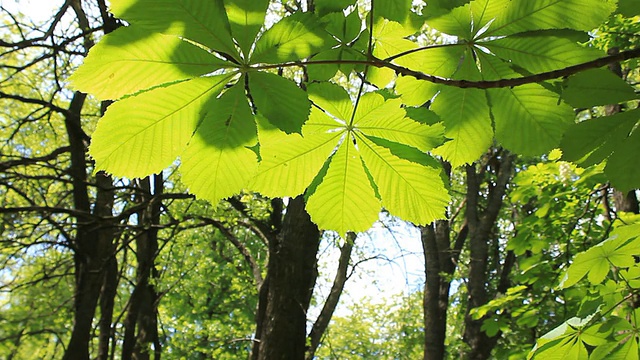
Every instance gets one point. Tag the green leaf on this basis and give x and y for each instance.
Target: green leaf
(279, 100)
(344, 200)
(388, 40)
(591, 141)
(204, 22)
(217, 162)
(345, 28)
(466, 118)
(541, 51)
(386, 119)
(246, 18)
(521, 16)
(331, 98)
(143, 134)
(327, 6)
(618, 250)
(629, 8)
(410, 186)
(528, 119)
(394, 10)
(290, 162)
(130, 59)
(467, 21)
(467, 122)
(414, 92)
(293, 38)
(409, 190)
(596, 87)
(441, 61)
(623, 167)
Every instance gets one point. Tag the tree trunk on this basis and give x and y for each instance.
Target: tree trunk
(93, 243)
(322, 322)
(287, 290)
(142, 312)
(481, 224)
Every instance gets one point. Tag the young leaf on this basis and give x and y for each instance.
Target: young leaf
(204, 22)
(246, 18)
(293, 38)
(290, 162)
(596, 87)
(344, 200)
(528, 119)
(521, 16)
(279, 100)
(618, 250)
(143, 134)
(409, 190)
(467, 122)
(131, 59)
(217, 162)
(541, 51)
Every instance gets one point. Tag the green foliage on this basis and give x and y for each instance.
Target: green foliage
(603, 331)
(374, 330)
(355, 164)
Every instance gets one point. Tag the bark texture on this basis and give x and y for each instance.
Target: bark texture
(286, 292)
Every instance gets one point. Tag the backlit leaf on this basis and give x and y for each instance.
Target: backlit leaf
(596, 87)
(290, 162)
(344, 200)
(528, 119)
(245, 18)
(217, 162)
(130, 59)
(204, 22)
(521, 16)
(409, 190)
(143, 134)
(293, 38)
(279, 100)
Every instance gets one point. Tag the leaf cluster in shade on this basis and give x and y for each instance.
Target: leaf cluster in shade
(199, 81)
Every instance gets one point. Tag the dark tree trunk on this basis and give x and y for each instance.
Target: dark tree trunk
(440, 264)
(440, 259)
(322, 322)
(94, 239)
(143, 307)
(481, 224)
(107, 301)
(287, 290)
(94, 243)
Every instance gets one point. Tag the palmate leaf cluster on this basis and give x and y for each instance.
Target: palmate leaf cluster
(606, 326)
(246, 107)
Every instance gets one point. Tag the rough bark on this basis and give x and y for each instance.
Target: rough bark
(287, 290)
(481, 223)
(440, 257)
(141, 323)
(94, 241)
(95, 237)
